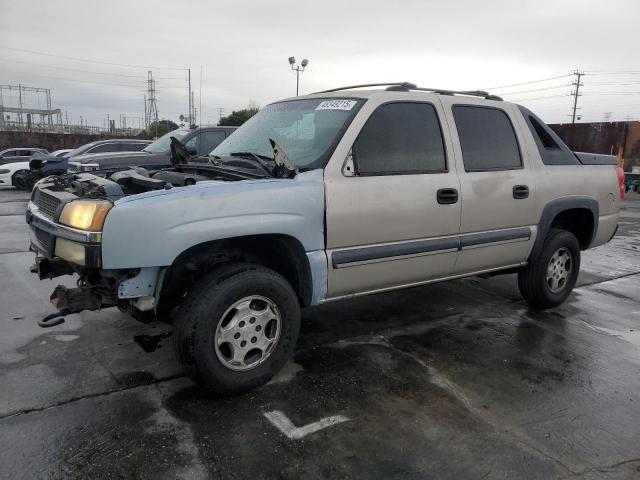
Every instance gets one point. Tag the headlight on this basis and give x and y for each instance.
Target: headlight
(85, 214)
(4, 170)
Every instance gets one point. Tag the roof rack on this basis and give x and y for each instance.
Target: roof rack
(408, 86)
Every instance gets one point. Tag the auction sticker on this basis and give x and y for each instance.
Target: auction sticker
(336, 105)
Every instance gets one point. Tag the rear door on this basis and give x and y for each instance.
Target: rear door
(392, 213)
(497, 225)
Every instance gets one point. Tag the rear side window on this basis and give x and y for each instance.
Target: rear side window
(105, 147)
(553, 150)
(487, 139)
(131, 146)
(400, 138)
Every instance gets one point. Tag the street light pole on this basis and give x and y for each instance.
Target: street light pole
(298, 69)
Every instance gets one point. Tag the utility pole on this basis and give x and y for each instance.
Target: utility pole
(190, 102)
(576, 93)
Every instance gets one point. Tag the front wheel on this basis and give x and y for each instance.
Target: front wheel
(548, 279)
(237, 328)
(22, 180)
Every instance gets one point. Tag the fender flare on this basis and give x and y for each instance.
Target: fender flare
(551, 211)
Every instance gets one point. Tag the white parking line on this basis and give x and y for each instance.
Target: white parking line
(282, 423)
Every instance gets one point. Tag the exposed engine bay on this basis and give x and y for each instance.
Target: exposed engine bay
(113, 184)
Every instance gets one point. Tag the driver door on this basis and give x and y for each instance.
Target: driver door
(393, 212)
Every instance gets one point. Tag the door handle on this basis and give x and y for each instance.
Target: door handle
(447, 196)
(520, 191)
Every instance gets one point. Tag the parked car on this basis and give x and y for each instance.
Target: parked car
(13, 155)
(61, 153)
(198, 141)
(318, 198)
(15, 174)
(115, 145)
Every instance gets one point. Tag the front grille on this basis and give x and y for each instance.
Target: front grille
(73, 167)
(48, 204)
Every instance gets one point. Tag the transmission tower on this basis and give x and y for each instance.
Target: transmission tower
(151, 108)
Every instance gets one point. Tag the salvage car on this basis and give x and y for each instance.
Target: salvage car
(318, 198)
(198, 141)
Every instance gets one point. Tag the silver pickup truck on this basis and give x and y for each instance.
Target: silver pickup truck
(317, 198)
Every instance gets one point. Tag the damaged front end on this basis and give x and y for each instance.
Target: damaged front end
(66, 215)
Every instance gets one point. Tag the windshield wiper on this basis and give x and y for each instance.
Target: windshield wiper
(257, 158)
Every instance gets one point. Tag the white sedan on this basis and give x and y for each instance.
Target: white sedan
(14, 174)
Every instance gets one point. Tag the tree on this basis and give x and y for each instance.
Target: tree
(238, 117)
(159, 128)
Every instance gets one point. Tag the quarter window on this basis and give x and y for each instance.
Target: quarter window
(400, 138)
(487, 139)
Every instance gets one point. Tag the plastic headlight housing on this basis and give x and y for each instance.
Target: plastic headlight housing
(85, 214)
(71, 251)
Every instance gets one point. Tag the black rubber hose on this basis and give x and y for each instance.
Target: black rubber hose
(52, 320)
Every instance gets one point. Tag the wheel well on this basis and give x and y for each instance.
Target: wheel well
(281, 253)
(578, 221)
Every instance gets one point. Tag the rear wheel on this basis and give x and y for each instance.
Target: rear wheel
(548, 280)
(237, 328)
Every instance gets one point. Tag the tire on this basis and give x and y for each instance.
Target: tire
(22, 180)
(541, 283)
(231, 305)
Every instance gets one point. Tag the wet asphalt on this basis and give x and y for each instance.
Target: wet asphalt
(457, 380)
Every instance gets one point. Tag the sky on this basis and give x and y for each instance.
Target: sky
(94, 56)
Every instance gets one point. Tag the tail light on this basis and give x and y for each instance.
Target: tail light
(620, 175)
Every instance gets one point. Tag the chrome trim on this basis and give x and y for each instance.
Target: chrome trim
(38, 220)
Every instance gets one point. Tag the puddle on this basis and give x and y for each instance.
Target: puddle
(632, 335)
(150, 343)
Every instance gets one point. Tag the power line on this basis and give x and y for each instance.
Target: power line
(76, 80)
(7, 60)
(609, 72)
(527, 83)
(89, 61)
(538, 98)
(534, 90)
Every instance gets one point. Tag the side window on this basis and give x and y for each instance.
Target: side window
(205, 142)
(105, 147)
(209, 141)
(129, 146)
(23, 153)
(400, 138)
(487, 139)
(552, 149)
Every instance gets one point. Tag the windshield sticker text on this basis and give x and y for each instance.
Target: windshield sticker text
(336, 105)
